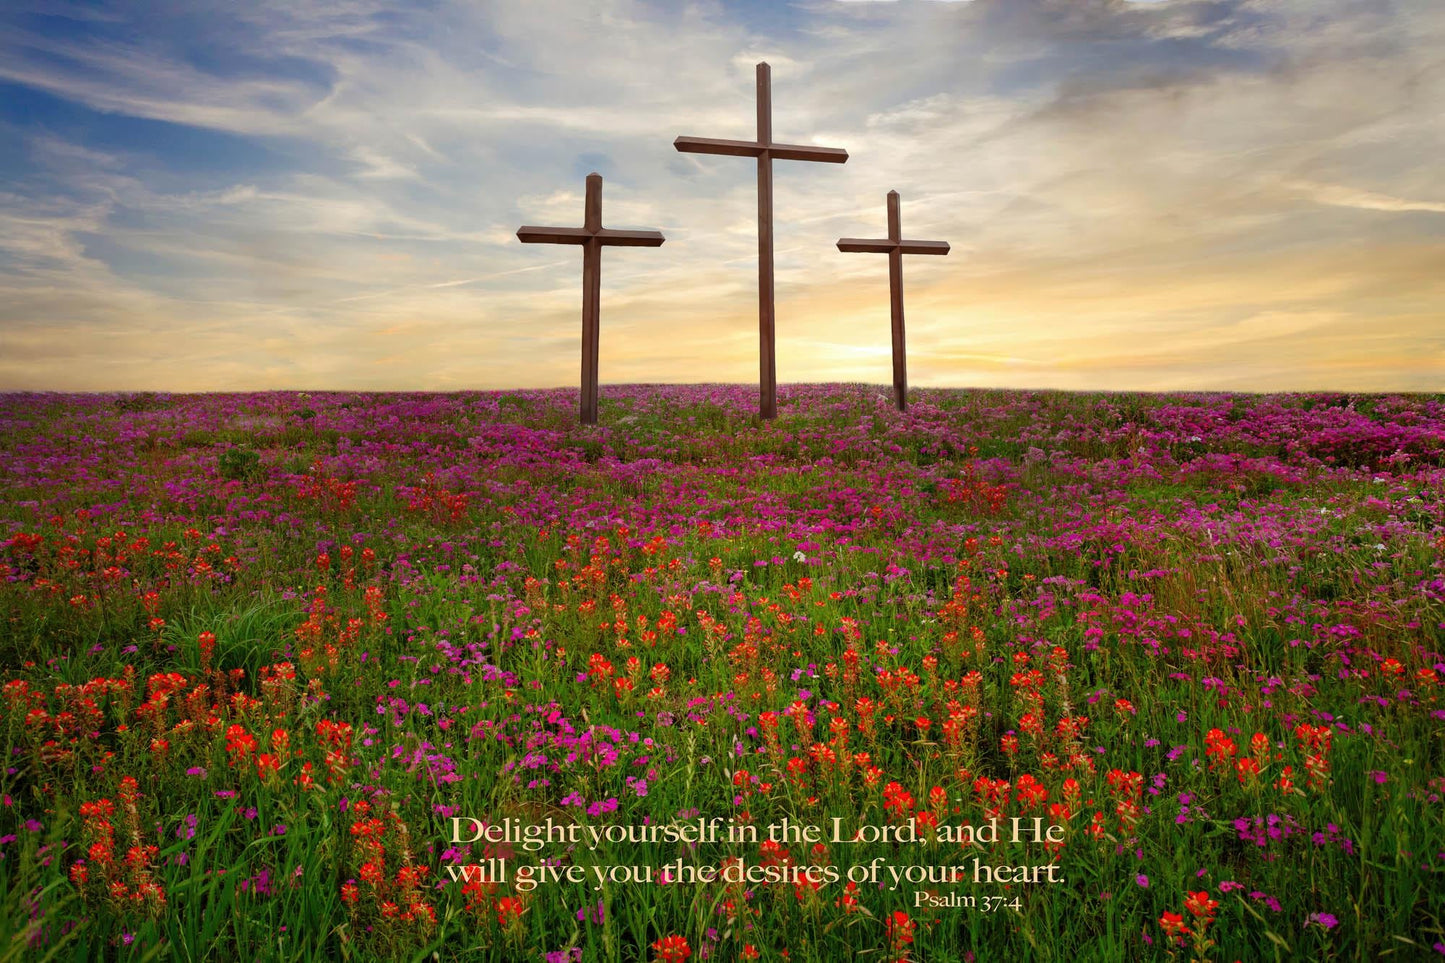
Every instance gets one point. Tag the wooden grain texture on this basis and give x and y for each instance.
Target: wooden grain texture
(593, 237)
(766, 152)
(895, 247)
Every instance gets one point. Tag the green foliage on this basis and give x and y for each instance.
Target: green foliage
(239, 464)
(937, 550)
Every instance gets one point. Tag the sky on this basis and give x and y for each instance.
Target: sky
(1177, 195)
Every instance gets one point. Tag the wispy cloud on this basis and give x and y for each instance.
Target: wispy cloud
(1342, 196)
(1186, 193)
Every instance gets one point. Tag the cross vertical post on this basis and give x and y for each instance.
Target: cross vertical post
(765, 150)
(767, 337)
(591, 298)
(895, 304)
(895, 247)
(592, 236)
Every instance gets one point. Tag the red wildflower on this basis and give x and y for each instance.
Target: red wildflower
(671, 949)
(509, 910)
(1201, 905)
(1173, 925)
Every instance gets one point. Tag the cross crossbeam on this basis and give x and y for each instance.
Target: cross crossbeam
(895, 247)
(766, 151)
(592, 236)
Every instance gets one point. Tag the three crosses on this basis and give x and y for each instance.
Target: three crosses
(592, 236)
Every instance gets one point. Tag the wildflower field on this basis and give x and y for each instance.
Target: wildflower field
(259, 651)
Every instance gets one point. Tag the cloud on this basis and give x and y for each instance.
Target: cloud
(1342, 196)
(1135, 192)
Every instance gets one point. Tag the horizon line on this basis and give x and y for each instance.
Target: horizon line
(882, 387)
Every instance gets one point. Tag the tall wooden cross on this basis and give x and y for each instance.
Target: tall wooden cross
(895, 247)
(592, 236)
(765, 151)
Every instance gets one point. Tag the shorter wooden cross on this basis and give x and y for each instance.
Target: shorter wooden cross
(895, 247)
(592, 236)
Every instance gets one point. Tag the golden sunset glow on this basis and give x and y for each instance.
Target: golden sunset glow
(1185, 194)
